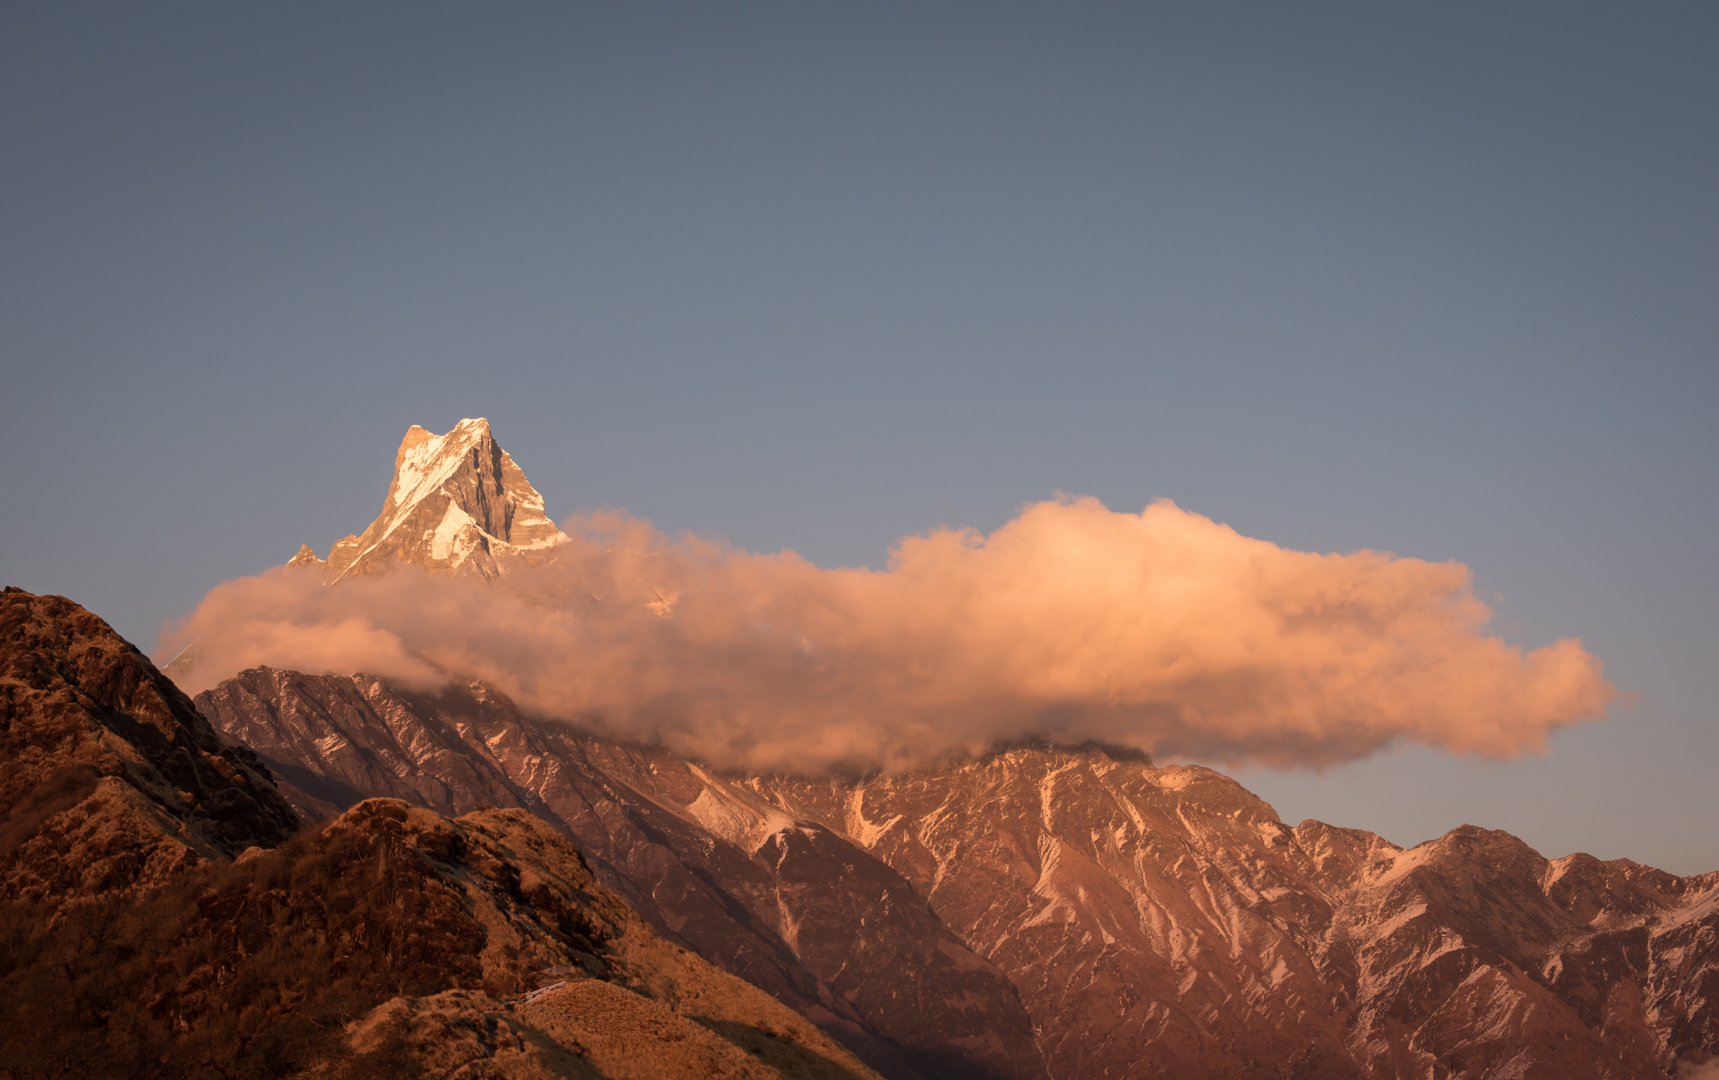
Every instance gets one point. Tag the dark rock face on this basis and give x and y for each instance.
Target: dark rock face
(113, 779)
(1152, 922)
(708, 863)
(367, 740)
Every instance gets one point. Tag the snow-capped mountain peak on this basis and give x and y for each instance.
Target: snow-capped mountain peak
(457, 504)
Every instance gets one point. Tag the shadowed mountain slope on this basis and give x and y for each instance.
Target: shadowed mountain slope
(389, 942)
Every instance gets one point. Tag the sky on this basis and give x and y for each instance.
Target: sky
(1440, 281)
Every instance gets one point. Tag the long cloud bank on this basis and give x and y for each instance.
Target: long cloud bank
(1161, 630)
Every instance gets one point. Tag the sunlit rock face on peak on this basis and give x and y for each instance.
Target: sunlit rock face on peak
(457, 504)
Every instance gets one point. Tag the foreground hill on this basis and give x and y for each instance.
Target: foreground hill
(1129, 920)
(164, 914)
(112, 781)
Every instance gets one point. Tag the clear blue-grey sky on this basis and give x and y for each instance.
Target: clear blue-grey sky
(1441, 280)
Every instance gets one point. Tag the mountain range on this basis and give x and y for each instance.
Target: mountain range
(1041, 910)
(1061, 911)
(1036, 911)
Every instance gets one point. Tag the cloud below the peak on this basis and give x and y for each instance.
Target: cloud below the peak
(1161, 630)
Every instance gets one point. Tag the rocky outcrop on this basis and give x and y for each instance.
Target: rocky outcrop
(457, 504)
(113, 781)
(1144, 921)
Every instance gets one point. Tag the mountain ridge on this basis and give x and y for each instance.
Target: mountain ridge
(113, 779)
(1151, 921)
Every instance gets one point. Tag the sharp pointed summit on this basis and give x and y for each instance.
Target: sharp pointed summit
(457, 504)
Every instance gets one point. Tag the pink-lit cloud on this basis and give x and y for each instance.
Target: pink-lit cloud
(1161, 630)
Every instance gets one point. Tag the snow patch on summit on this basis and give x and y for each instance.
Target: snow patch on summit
(489, 515)
(434, 459)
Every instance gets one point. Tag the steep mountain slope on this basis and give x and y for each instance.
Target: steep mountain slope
(112, 779)
(1164, 921)
(457, 504)
(804, 913)
(388, 942)
(1155, 922)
